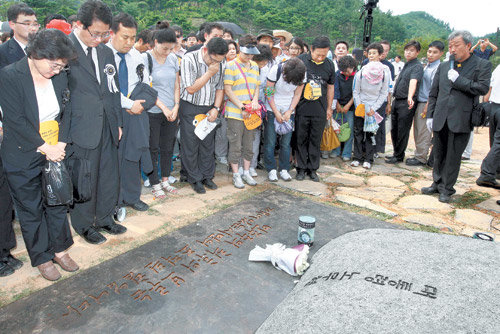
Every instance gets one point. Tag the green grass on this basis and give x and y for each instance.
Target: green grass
(422, 228)
(470, 199)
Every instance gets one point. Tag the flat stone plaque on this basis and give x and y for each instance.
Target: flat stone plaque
(195, 280)
(393, 281)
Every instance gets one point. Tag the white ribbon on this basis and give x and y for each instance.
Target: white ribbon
(110, 72)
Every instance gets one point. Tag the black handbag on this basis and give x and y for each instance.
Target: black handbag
(481, 114)
(56, 184)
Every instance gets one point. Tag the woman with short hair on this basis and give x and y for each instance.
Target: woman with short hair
(33, 91)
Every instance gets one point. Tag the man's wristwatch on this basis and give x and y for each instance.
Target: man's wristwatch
(217, 108)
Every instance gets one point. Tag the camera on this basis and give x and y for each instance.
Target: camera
(371, 3)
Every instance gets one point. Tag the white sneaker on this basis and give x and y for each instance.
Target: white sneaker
(253, 172)
(346, 158)
(273, 175)
(147, 184)
(355, 163)
(158, 192)
(333, 155)
(172, 179)
(324, 155)
(237, 181)
(285, 176)
(367, 165)
(240, 171)
(166, 186)
(248, 179)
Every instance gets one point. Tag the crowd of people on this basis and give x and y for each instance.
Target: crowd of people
(125, 104)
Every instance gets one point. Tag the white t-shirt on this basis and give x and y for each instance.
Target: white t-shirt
(284, 91)
(48, 106)
(495, 85)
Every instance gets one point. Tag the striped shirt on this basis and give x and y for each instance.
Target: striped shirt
(192, 68)
(233, 77)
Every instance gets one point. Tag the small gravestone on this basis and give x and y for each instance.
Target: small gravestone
(389, 281)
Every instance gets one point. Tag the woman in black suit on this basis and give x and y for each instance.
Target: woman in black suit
(32, 93)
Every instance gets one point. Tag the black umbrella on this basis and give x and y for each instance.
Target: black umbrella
(236, 29)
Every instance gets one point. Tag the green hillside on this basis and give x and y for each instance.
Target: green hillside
(422, 24)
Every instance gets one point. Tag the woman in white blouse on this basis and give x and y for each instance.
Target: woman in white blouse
(34, 91)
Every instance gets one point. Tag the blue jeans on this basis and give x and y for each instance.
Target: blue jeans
(270, 143)
(348, 117)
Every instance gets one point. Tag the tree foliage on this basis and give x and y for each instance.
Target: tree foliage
(338, 19)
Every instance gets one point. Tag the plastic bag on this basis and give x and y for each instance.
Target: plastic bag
(370, 124)
(56, 183)
(335, 126)
(329, 141)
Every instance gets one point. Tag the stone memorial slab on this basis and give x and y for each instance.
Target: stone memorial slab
(195, 280)
(390, 281)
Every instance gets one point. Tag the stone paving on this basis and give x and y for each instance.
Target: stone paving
(387, 192)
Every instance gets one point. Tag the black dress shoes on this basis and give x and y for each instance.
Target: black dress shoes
(198, 187)
(183, 178)
(12, 262)
(393, 160)
(498, 202)
(300, 175)
(313, 176)
(114, 228)
(444, 198)
(489, 184)
(5, 269)
(139, 206)
(209, 184)
(429, 190)
(414, 162)
(93, 237)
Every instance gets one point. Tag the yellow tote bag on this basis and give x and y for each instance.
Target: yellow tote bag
(360, 110)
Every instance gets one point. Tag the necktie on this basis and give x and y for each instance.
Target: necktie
(123, 74)
(89, 57)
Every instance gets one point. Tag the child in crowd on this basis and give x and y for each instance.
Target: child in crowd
(370, 89)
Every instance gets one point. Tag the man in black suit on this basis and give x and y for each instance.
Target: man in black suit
(95, 121)
(455, 88)
(22, 20)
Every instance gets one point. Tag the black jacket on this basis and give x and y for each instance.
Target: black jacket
(92, 101)
(452, 102)
(21, 121)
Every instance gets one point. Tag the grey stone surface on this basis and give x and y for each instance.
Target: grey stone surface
(424, 202)
(346, 179)
(383, 194)
(432, 283)
(214, 289)
(490, 205)
(474, 218)
(363, 203)
(306, 186)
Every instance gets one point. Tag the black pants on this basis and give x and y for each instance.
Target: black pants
(380, 136)
(45, 228)
(98, 211)
(364, 149)
(401, 121)
(7, 236)
(130, 182)
(161, 140)
(309, 133)
(198, 156)
(490, 167)
(448, 149)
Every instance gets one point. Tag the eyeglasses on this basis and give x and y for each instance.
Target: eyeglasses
(96, 35)
(57, 67)
(294, 48)
(29, 24)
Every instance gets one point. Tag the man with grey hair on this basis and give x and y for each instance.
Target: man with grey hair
(456, 87)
